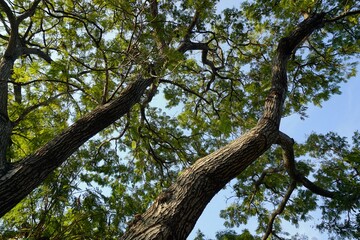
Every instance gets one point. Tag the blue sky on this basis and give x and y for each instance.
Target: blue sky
(340, 114)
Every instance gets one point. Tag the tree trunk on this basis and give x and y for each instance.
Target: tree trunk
(175, 212)
(6, 65)
(30, 172)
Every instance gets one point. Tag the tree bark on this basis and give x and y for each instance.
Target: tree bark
(21, 178)
(6, 66)
(175, 212)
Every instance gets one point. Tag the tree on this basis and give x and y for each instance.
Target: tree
(84, 148)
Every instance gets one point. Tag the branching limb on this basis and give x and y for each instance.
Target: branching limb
(286, 144)
(29, 12)
(11, 49)
(38, 52)
(189, 30)
(279, 209)
(261, 181)
(205, 49)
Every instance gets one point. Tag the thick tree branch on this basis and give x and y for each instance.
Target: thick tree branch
(29, 173)
(12, 52)
(286, 144)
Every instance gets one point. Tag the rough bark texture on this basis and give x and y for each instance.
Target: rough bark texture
(25, 176)
(5, 124)
(175, 212)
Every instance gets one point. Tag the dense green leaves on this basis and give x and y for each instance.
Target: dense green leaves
(213, 73)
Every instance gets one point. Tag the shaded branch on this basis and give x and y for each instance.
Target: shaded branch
(189, 45)
(286, 144)
(343, 15)
(29, 12)
(37, 52)
(190, 28)
(11, 51)
(184, 45)
(7, 28)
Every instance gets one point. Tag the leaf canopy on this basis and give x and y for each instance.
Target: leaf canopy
(81, 54)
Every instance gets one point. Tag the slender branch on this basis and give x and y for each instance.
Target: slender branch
(107, 79)
(279, 209)
(34, 107)
(126, 127)
(4, 37)
(4, 22)
(186, 89)
(286, 144)
(260, 181)
(343, 15)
